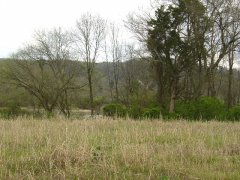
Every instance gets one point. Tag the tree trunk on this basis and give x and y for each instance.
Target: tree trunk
(210, 80)
(110, 82)
(90, 91)
(160, 84)
(116, 90)
(64, 105)
(172, 98)
(229, 98)
(199, 86)
(230, 77)
(116, 77)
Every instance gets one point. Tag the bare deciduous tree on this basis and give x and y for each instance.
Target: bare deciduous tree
(44, 69)
(89, 35)
(223, 36)
(114, 53)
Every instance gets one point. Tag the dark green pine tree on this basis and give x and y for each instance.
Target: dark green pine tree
(170, 40)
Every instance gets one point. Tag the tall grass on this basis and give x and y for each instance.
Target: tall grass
(118, 149)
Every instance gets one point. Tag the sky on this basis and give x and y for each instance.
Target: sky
(19, 19)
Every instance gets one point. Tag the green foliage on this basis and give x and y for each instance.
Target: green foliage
(13, 110)
(98, 101)
(152, 113)
(112, 110)
(205, 108)
(49, 115)
(234, 113)
(209, 108)
(84, 102)
(135, 112)
(185, 110)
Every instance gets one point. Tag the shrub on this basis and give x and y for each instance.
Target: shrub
(98, 101)
(184, 109)
(234, 113)
(13, 110)
(118, 110)
(203, 108)
(135, 112)
(209, 108)
(152, 113)
(3, 113)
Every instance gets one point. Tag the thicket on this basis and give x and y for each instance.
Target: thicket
(115, 110)
(203, 108)
(12, 110)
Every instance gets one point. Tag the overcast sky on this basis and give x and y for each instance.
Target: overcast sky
(20, 18)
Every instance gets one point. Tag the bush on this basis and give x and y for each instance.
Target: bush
(98, 101)
(112, 110)
(152, 113)
(184, 109)
(209, 108)
(203, 108)
(13, 110)
(234, 113)
(135, 112)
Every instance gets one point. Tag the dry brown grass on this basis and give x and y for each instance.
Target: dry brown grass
(118, 149)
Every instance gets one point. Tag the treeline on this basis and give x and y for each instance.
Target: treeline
(131, 87)
(185, 59)
(190, 41)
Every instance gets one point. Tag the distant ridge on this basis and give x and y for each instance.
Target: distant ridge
(2, 59)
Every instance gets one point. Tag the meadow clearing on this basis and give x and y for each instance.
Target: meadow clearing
(118, 149)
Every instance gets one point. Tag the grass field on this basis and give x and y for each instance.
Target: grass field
(118, 149)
